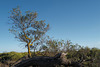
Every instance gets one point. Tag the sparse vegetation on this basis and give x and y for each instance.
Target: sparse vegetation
(87, 57)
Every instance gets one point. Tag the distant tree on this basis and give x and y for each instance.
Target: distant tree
(26, 28)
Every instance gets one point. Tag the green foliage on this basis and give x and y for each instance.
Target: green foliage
(84, 55)
(11, 56)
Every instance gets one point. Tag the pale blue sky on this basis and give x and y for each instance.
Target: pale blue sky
(75, 20)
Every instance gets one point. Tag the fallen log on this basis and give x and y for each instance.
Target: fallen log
(45, 61)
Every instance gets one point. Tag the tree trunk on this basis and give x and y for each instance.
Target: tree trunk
(29, 53)
(34, 52)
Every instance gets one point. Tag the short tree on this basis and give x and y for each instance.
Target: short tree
(26, 28)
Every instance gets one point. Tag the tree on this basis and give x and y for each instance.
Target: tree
(26, 28)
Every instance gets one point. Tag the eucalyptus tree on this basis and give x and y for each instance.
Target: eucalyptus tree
(26, 28)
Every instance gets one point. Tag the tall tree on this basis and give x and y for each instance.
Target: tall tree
(26, 28)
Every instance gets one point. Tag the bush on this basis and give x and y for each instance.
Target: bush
(11, 56)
